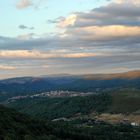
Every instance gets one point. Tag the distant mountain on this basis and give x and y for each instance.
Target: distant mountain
(125, 75)
(81, 83)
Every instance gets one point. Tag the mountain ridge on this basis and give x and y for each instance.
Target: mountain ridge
(124, 75)
(81, 83)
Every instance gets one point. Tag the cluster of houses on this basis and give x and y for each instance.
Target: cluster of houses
(89, 121)
(56, 93)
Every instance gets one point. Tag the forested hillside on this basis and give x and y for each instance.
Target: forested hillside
(52, 108)
(82, 83)
(15, 126)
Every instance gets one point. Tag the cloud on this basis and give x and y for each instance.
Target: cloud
(24, 4)
(116, 22)
(5, 67)
(104, 39)
(26, 36)
(25, 27)
(68, 21)
(126, 13)
(45, 66)
(34, 54)
(97, 33)
(135, 2)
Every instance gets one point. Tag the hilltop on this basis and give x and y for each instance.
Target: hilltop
(80, 83)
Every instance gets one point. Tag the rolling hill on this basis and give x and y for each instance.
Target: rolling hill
(82, 83)
(124, 101)
(115, 95)
(52, 108)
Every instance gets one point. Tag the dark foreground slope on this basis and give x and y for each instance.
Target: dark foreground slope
(15, 126)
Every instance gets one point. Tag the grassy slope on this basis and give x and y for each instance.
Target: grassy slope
(125, 101)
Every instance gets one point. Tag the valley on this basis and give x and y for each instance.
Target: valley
(15, 126)
(98, 105)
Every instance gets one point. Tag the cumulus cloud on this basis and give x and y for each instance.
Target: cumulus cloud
(23, 4)
(117, 22)
(124, 13)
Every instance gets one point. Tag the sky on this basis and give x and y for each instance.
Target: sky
(43, 37)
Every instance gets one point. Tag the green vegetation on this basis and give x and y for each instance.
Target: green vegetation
(15, 126)
(52, 108)
(74, 118)
(82, 83)
(125, 101)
